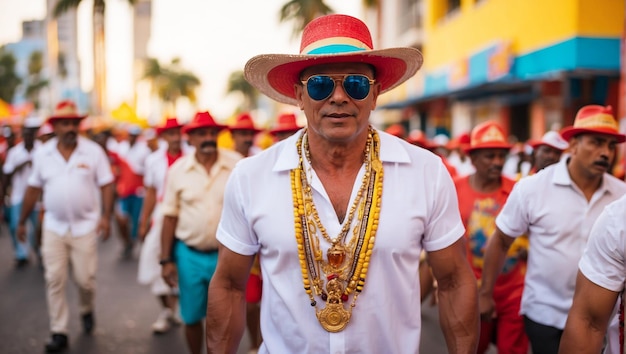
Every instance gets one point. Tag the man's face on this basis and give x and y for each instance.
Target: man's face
(204, 140)
(172, 137)
(243, 140)
(339, 117)
(489, 163)
(28, 135)
(66, 130)
(545, 155)
(594, 153)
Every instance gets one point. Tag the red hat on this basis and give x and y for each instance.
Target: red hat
(417, 137)
(285, 122)
(396, 130)
(65, 110)
(330, 39)
(170, 123)
(594, 119)
(244, 122)
(202, 120)
(487, 135)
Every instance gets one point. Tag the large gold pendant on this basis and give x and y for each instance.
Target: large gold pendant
(334, 318)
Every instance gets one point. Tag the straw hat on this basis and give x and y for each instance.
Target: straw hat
(285, 122)
(202, 120)
(65, 110)
(325, 40)
(487, 135)
(551, 139)
(594, 119)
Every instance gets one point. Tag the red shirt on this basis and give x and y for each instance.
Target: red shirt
(478, 212)
(127, 182)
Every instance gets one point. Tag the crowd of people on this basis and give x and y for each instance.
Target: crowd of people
(521, 246)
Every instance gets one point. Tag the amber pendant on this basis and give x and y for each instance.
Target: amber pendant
(336, 255)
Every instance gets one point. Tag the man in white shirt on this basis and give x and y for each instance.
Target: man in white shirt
(75, 177)
(17, 169)
(337, 225)
(556, 209)
(599, 284)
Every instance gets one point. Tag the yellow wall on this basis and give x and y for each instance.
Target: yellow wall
(528, 24)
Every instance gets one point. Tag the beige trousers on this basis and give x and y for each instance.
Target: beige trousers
(58, 252)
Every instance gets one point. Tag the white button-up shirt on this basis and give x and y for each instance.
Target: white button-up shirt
(558, 218)
(71, 189)
(419, 211)
(604, 260)
(16, 156)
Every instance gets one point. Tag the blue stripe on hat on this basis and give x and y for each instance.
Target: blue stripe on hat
(336, 49)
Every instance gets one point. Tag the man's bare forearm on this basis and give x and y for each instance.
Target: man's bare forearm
(458, 313)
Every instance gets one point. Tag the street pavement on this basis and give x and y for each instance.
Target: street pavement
(124, 310)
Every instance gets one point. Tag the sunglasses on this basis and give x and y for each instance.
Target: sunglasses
(320, 87)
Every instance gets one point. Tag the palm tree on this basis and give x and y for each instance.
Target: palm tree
(9, 81)
(303, 12)
(171, 82)
(237, 83)
(35, 82)
(99, 67)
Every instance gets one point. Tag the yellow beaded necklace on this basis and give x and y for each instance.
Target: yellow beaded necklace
(346, 266)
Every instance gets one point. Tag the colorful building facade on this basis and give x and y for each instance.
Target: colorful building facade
(528, 63)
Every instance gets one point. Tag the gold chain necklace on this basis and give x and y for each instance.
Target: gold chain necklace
(346, 267)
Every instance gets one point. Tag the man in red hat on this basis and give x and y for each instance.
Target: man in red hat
(286, 126)
(243, 132)
(72, 172)
(481, 196)
(547, 150)
(339, 247)
(192, 204)
(556, 209)
(151, 219)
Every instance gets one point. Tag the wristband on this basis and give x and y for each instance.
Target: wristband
(166, 261)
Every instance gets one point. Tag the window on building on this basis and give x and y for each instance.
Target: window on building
(453, 5)
(410, 15)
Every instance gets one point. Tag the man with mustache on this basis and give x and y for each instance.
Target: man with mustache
(76, 180)
(192, 205)
(481, 197)
(556, 209)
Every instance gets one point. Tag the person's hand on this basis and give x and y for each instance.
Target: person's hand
(21, 232)
(104, 228)
(486, 307)
(144, 228)
(168, 272)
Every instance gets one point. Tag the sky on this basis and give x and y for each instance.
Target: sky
(212, 38)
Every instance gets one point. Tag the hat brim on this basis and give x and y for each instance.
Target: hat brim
(570, 132)
(494, 145)
(284, 130)
(160, 130)
(276, 74)
(537, 143)
(255, 130)
(53, 119)
(188, 128)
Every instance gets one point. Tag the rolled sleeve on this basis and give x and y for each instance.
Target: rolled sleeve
(513, 218)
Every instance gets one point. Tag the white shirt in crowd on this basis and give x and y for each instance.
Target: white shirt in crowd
(71, 189)
(16, 156)
(604, 260)
(557, 217)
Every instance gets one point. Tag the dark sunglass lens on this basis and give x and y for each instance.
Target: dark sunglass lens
(357, 86)
(320, 87)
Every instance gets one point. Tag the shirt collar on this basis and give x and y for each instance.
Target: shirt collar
(561, 176)
(391, 151)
